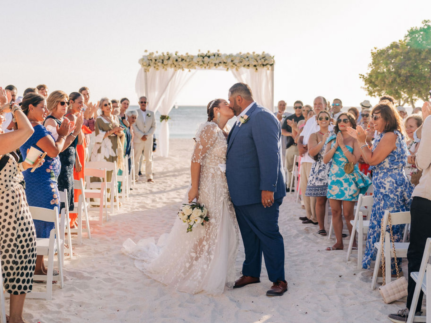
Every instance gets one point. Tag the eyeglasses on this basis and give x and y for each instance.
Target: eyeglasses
(375, 117)
(307, 111)
(297, 108)
(343, 120)
(323, 118)
(144, 102)
(107, 104)
(336, 104)
(62, 103)
(365, 115)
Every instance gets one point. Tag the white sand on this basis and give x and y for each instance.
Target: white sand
(102, 284)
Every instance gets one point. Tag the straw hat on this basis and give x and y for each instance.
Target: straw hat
(365, 104)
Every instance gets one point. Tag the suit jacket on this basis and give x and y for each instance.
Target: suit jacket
(144, 128)
(253, 161)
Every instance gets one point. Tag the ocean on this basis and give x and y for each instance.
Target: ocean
(185, 120)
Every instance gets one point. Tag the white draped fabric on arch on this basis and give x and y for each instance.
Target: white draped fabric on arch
(162, 77)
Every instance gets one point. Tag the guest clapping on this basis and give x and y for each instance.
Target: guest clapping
(41, 185)
(57, 105)
(411, 125)
(18, 243)
(387, 157)
(346, 182)
(318, 181)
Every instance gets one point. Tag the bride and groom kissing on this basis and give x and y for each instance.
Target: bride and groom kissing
(238, 176)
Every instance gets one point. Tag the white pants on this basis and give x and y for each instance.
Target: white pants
(146, 148)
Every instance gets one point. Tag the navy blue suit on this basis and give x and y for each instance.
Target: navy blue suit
(254, 165)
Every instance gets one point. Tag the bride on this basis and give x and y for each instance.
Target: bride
(202, 260)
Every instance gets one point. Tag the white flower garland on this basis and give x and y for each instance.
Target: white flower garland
(206, 60)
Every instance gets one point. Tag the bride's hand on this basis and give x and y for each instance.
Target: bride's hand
(193, 194)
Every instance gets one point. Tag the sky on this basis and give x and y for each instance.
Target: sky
(320, 47)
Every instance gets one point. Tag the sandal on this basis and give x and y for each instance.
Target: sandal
(322, 232)
(332, 248)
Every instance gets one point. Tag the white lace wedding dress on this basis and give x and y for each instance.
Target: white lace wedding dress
(202, 260)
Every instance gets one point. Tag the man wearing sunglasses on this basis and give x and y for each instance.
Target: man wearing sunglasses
(288, 141)
(365, 105)
(144, 129)
(337, 106)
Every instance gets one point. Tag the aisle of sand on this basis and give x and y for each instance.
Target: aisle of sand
(102, 284)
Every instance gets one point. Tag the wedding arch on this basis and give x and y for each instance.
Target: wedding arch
(162, 77)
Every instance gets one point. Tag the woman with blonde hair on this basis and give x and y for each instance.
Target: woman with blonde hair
(57, 104)
(109, 140)
(412, 123)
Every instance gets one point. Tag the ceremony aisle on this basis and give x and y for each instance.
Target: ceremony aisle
(103, 285)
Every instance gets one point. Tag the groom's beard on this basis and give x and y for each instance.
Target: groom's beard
(236, 110)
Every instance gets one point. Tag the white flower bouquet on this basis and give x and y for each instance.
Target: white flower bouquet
(192, 214)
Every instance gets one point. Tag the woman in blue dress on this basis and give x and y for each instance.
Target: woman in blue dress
(392, 189)
(345, 182)
(41, 185)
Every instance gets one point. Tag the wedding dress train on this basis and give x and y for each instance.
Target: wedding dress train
(204, 259)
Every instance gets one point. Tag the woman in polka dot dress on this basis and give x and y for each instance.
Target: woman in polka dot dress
(17, 233)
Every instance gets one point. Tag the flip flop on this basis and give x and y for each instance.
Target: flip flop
(332, 248)
(322, 232)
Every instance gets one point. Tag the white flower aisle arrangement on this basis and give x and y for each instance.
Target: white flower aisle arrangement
(192, 214)
(208, 60)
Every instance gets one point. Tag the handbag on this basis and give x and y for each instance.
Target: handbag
(415, 177)
(349, 168)
(394, 290)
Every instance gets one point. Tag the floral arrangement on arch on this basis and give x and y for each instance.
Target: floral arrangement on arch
(208, 60)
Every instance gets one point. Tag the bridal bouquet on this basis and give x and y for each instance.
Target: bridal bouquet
(192, 214)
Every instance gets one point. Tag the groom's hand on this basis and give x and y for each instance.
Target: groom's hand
(267, 198)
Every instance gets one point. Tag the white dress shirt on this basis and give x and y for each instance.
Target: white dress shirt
(144, 113)
(243, 113)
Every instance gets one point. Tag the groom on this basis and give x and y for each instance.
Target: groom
(256, 185)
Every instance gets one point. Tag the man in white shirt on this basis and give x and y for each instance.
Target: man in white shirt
(307, 162)
(144, 129)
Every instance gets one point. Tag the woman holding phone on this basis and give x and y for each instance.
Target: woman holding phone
(41, 185)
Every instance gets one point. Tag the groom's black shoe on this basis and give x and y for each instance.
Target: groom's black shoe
(277, 289)
(246, 280)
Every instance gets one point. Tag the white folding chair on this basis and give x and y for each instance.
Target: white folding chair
(81, 206)
(132, 174)
(2, 298)
(99, 194)
(361, 226)
(48, 247)
(400, 247)
(423, 282)
(124, 180)
(112, 185)
(294, 176)
(298, 178)
(65, 215)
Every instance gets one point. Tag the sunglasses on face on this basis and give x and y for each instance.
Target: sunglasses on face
(62, 103)
(298, 107)
(107, 105)
(365, 115)
(375, 117)
(307, 111)
(323, 118)
(343, 120)
(144, 102)
(335, 104)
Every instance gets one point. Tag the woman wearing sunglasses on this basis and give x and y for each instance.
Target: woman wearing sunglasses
(387, 157)
(41, 186)
(367, 125)
(318, 180)
(346, 182)
(109, 140)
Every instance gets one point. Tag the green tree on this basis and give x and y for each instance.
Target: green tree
(403, 69)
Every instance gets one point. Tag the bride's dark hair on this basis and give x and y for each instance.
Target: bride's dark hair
(210, 108)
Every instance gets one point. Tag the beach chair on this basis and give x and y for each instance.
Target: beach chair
(360, 226)
(124, 180)
(423, 282)
(49, 247)
(65, 215)
(2, 299)
(81, 207)
(112, 185)
(132, 174)
(400, 247)
(94, 193)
